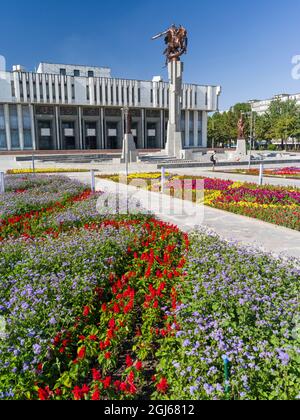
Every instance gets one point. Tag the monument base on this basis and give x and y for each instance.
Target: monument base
(174, 142)
(241, 149)
(129, 152)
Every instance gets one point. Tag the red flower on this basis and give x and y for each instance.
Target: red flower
(86, 311)
(96, 395)
(129, 361)
(110, 334)
(81, 338)
(77, 393)
(132, 389)
(162, 386)
(107, 355)
(104, 307)
(117, 385)
(123, 387)
(58, 392)
(44, 394)
(155, 305)
(112, 323)
(107, 382)
(139, 366)
(96, 375)
(116, 309)
(85, 389)
(81, 353)
(93, 337)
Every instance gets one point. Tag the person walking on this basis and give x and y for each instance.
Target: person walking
(213, 160)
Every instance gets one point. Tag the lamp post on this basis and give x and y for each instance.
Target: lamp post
(252, 130)
(127, 130)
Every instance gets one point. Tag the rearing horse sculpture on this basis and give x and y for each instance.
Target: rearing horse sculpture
(176, 40)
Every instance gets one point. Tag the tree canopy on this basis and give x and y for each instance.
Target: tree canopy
(280, 122)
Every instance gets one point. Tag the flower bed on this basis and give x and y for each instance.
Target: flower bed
(31, 199)
(289, 172)
(273, 204)
(93, 297)
(45, 171)
(105, 306)
(242, 307)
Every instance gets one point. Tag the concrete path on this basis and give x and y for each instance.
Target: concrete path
(188, 217)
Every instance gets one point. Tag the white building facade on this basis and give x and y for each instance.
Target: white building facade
(71, 107)
(261, 107)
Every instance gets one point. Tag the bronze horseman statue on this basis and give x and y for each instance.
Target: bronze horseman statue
(241, 128)
(177, 42)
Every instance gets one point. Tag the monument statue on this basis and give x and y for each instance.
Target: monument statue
(128, 121)
(129, 152)
(176, 40)
(241, 128)
(241, 149)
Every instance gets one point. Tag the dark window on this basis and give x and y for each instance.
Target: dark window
(90, 73)
(63, 72)
(77, 73)
(13, 90)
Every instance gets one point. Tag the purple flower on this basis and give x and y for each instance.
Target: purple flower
(283, 357)
(186, 343)
(37, 349)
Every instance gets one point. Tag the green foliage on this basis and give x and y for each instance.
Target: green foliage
(281, 121)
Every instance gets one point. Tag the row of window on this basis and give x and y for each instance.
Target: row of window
(76, 73)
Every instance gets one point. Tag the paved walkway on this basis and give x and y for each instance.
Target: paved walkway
(188, 217)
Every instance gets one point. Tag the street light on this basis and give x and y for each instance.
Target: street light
(252, 130)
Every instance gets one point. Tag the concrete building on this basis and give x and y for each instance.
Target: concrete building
(261, 107)
(68, 107)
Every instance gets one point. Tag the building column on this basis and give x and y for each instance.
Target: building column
(20, 126)
(80, 128)
(162, 129)
(204, 129)
(32, 127)
(7, 126)
(102, 129)
(187, 128)
(143, 129)
(57, 126)
(196, 142)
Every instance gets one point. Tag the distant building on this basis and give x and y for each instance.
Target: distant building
(66, 107)
(261, 107)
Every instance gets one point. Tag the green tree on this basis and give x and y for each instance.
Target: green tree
(283, 120)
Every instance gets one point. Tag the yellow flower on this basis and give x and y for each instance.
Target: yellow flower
(43, 171)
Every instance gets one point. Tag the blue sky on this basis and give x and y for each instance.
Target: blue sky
(246, 46)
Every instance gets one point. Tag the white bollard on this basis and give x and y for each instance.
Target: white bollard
(163, 179)
(261, 175)
(2, 185)
(93, 181)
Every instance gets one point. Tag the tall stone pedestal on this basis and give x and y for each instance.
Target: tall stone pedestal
(174, 143)
(129, 153)
(241, 149)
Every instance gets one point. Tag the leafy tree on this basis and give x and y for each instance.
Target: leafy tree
(281, 121)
